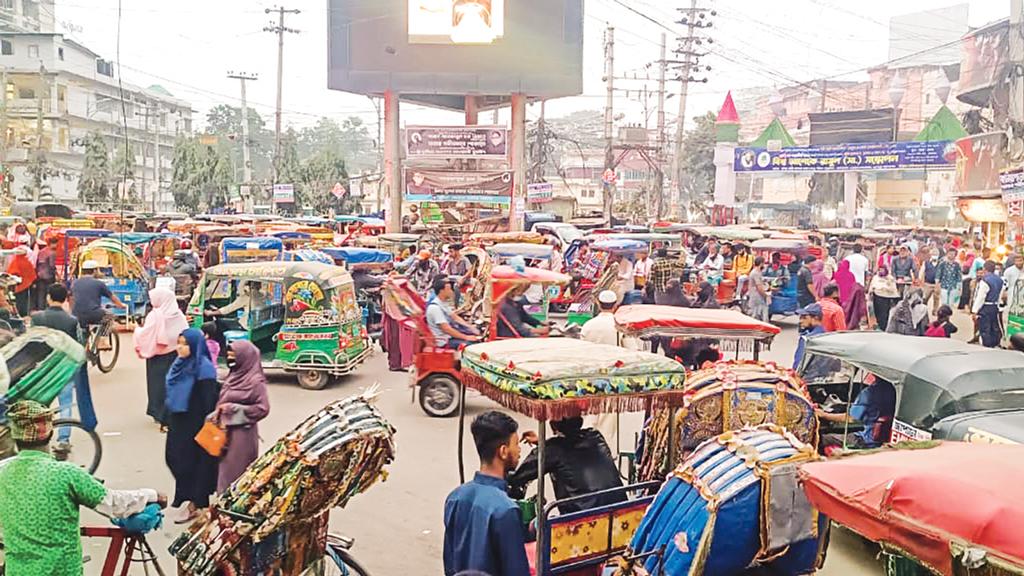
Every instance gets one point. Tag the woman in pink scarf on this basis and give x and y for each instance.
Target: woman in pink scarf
(243, 402)
(156, 341)
(818, 278)
(851, 296)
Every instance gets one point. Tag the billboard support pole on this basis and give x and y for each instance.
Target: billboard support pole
(472, 113)
(518, 138)
(393, 161)
(850, 182)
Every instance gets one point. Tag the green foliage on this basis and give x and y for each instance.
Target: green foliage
(201, 175)
(94, 182)
(225, 122)
(697, 163)
(123, 177)
(39, 172)
(350, 140)
(320, 173)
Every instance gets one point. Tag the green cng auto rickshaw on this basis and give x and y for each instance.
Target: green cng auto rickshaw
(303, 316)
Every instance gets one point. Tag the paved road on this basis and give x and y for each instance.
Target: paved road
(397, 524)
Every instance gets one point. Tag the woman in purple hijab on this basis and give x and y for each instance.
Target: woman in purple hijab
(243, 402)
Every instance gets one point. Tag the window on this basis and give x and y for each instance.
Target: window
(927, 98)
(26, 93)
(60, 53)
(33, 51)
(105, 67)
(6, 48)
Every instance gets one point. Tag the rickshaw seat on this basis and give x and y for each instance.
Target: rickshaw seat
(581, 542)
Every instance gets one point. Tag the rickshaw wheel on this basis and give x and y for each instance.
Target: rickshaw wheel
(439, 396)
(313, 379)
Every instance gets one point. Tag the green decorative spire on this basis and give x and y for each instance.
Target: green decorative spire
(943, 126)
(774, 131)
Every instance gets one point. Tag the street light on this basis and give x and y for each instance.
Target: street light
(897, 89)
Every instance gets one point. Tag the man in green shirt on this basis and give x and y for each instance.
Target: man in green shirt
(40, 498)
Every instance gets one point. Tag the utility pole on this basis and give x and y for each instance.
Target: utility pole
(694, 20)
(279, 28)
(607, 188)
(157, 177)
(142, 145)
(242, 77)
(39, 127)
(1016, 109)
(659, 175)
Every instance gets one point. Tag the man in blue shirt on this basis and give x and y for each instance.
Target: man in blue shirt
(483, 529)
(874, 408)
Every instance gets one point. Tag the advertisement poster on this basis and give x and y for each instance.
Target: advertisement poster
(1011, 182)
(456, 21)
(445, 186)
(284, 194)
(979, 162)
(480, 142)
(848, 157)
(540, 193)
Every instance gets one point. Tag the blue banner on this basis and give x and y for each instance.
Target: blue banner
(848, 157)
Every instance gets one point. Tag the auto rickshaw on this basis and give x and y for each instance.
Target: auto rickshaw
(291, 239)
(791, 254)
(592, 274)
(122, 272)
(68, 243)
(396, 244)
(314, 329)
(945, 388)
(949, 508)
(307, 255)
(532, 253)
(566, 378)
(234, 250)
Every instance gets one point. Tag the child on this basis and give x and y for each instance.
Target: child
(213, 338)
(942, 327)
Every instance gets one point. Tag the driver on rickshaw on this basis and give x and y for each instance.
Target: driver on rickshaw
(579, 462)
(713, 266)
(249, 298)
(449, 330)
(874, 408)
(513, 319)
(87, 295)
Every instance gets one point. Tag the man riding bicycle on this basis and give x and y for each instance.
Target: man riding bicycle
(87, 296)
(41, 499)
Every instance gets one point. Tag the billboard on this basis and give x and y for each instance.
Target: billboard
(456, 21)
(480, 142)
(980, 159)
(863, 126)
(415, 47)
(984, 62)
(284, 194)
(483, 187)
(847, 157)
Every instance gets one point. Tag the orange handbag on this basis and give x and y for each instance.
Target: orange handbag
(212, 438)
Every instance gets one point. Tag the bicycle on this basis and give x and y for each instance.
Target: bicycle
(338, 551)
(103, 345)
(82, 447)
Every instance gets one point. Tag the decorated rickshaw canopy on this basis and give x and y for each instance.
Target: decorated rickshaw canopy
(399, 238)
(780, 244)
(902, 498)
(732, 234)
(143, 237)
(506, 237)
(619, 246)
(555, 378)
(277, 271)
(650, 319)
(524, 249)
(109, 252)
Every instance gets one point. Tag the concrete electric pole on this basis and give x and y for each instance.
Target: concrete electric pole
(659, 175)
(1016, 109)
(694, 20)
(607, 188)
(242, 77)
(279, 28)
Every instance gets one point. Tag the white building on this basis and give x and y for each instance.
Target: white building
(57, 92)
(26, 16)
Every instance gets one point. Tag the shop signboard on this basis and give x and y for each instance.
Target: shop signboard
(1011, 182)
(848, 157)
(979, 163)
(284, 194)
(478, 187)
(465, 142)
(540, 193)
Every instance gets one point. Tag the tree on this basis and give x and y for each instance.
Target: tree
(94, 182)
(39, 172)
(320, 173)
(123, 177)
(201, 175)
(351, 140)
(225, 122)
(289, 167)
(697, 163)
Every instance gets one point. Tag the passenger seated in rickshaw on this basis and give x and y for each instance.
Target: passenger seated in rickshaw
(776, 273)
(874, 408)
(449, 330)
(514, 321)
(579, 462)
(712, 267)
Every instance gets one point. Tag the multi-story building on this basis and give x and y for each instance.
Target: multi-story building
(57, 93)
(26, 16)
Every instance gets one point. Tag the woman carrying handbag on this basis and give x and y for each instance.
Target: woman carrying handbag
(242, 404)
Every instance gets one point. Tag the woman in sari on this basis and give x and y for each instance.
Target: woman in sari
(242, 404)
(156, 342)
(851, 296)
(191, 397)
(818, 278)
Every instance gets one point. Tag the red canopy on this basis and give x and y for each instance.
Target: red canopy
(528, 276)
(921, 500)
(694, 322)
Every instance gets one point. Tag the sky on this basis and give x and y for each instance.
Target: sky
(188, 46)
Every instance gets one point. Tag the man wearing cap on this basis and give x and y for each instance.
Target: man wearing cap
(41, 499)
(810, 326)
(422, 273)
(601, 328)
(87, 296)
(457, 268)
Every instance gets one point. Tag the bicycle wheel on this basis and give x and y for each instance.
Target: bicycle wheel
(72, 443)
(339, 562)
(108, 346)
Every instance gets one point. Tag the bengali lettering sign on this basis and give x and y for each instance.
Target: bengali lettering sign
(480, 142)
(848, 157)
(480, 187)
